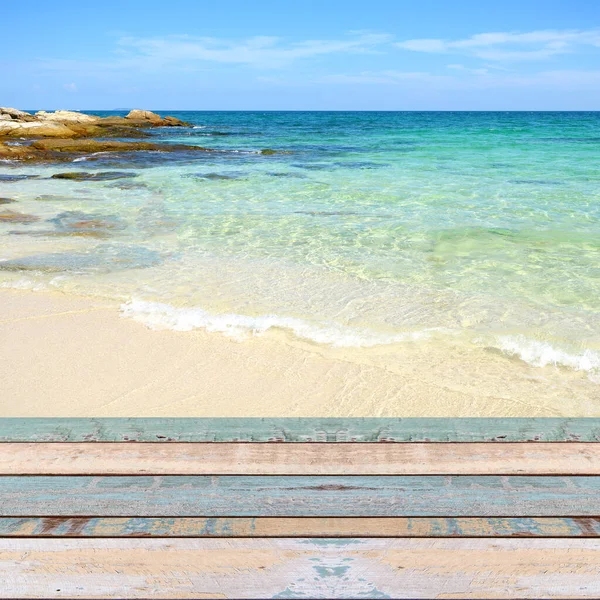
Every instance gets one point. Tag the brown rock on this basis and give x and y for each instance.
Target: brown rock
(10, 216)
(16, 152)
(66, 116)
(102, 176)
(84, 145)
(144, 115)
(7, 201)
(174, 122)
(17, 115)
(35, 129)
(61, 150)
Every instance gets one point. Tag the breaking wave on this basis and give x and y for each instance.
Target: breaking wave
(164, 316)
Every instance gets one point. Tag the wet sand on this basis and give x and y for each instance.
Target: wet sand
(75, 356)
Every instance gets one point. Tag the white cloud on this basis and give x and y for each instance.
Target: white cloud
(259, 51)
(70, 87)
(189, 53)
(509, 46)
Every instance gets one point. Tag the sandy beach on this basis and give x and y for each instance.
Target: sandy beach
(244, 264)
(76, 356)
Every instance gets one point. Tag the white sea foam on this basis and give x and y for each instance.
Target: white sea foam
(23, 284)
(164, 316)
(84, 158)
(542, 354)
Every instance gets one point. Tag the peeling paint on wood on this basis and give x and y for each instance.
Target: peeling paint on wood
(299, 527)
(299, 430)
(299, 459)
(288, 568)
(361, 496)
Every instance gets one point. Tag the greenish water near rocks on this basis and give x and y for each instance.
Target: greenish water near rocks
(361, 229)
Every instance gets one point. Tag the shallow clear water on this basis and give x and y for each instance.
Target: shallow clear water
(363, 229)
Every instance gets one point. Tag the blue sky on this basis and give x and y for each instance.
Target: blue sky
(302, 55)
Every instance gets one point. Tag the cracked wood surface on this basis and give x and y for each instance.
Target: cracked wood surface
(290, 568)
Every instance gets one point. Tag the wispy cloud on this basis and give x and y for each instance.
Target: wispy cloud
(185, 52)
(508, 46)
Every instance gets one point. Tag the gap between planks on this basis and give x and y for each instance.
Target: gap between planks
(81, 458)
(299, 527)
(307, 568)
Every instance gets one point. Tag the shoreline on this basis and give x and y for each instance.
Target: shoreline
(70, 356)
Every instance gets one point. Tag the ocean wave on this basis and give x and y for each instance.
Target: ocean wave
(157, 315)
(543, 354)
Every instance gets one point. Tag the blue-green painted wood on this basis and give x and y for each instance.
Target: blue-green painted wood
(298, 430)
(518, 496)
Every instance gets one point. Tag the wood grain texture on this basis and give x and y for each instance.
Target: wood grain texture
(299, 430)
(306, 496)
(261, 568)
(299, 527)
(299, 459)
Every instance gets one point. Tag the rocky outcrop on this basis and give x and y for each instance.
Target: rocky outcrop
(26, 129)
(63, 150)
(14, 114)
(66, 116)
(144, 115)
(66, 124)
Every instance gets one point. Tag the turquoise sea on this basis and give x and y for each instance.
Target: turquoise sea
(362, 229)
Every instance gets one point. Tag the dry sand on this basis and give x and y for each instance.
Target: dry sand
(69, 356)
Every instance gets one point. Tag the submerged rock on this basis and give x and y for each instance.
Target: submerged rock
(11, 178)
(216, 176)
(10, 216)
(103, 258)
(6, 200)
(102, 176)
(127, 185)
(74, 222)
(287, 174)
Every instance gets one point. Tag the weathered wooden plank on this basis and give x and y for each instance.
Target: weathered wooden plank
(217, 496)
(289, 568)
(355, 527)
(299, 430)
(579, 458)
